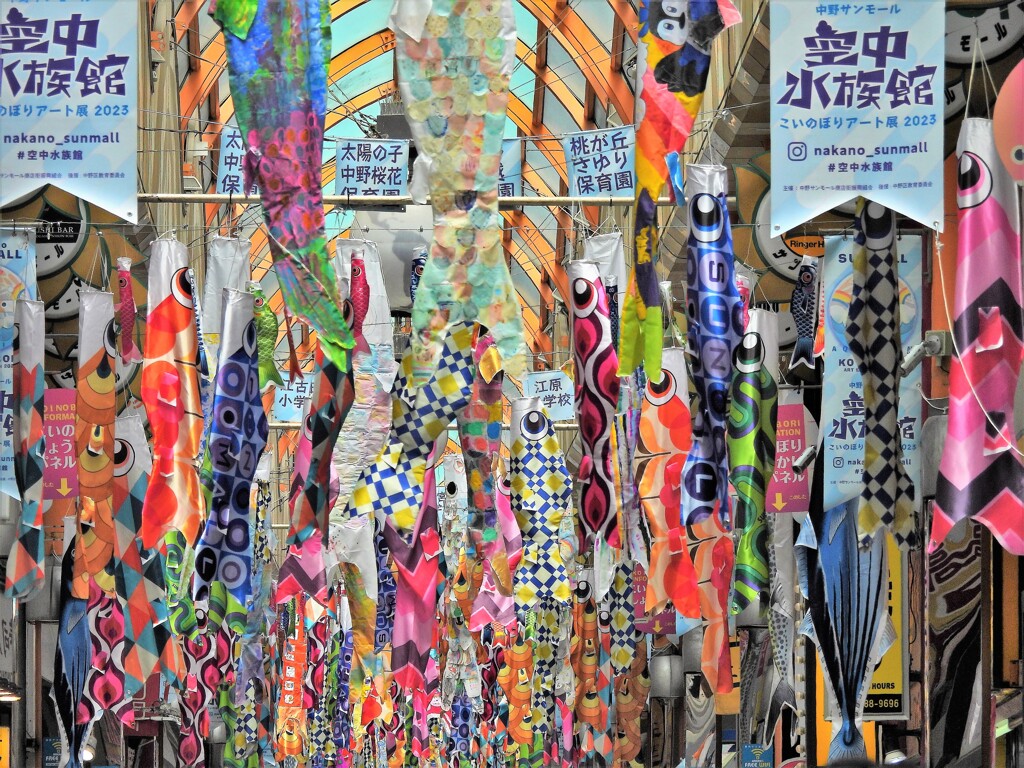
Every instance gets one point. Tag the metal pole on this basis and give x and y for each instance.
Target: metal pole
(20, 709)
(376, 201)
(988, 740)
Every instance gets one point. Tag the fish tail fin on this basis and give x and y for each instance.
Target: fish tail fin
(783, 696)
(269, 375)
(362, 345)
(848, 744)
(803, 355)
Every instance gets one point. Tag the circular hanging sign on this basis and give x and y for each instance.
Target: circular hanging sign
(1008, 123)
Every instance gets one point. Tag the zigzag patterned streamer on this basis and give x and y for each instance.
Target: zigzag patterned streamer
(873, 332)
(596, 398)
(237, 436)
(751, 445)
(138, 572)
(94, 441)
(25, 573)
(310, 498)
(980, 474)
(417, 568)
(278, 57)
(170, 392)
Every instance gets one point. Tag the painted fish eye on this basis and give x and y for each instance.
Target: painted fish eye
(749, 354)
(583, 591)
(534, 425)
(348, 312)
(122, 281)
(357, 269)
(110, 338)
(973, 181)
(660, 392)
(1017, 154)
(584, 297)
(807, 275)
(707, 222)
(181, 287)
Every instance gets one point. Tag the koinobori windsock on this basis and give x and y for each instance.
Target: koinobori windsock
(673, 61)
(981, 474)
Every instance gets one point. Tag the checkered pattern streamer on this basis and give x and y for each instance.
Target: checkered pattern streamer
(872, 329)
(393, 485)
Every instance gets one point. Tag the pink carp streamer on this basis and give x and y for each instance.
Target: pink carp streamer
(981, 475)
(126, 313)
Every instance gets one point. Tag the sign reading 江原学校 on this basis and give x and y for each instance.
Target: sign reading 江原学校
(856, 108)
(69, 101)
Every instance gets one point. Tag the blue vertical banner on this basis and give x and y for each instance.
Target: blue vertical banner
(856, 108)
(601, 163)
(17, 281)
(372, 167)
(69, 101)
(231, 164)
(842, 404)
(510, 169)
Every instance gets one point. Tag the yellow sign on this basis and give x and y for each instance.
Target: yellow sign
(887, 697)
(5, 747)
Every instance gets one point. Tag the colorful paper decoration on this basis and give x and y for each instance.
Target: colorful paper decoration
(980, 474)
(470, 54)
(278, 56)
(673, 62)
(872, 329)
(25, 572)
(237, 436)
(751, 444)
(597, 397)
(94, 441)
(170, 392)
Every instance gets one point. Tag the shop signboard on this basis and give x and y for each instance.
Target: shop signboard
(795, 430)
(601, 163)
(856, 108)
(757, 756)
(69, 101)
(372, 167)
(17, 280)
(60, 463)
(842, 407)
